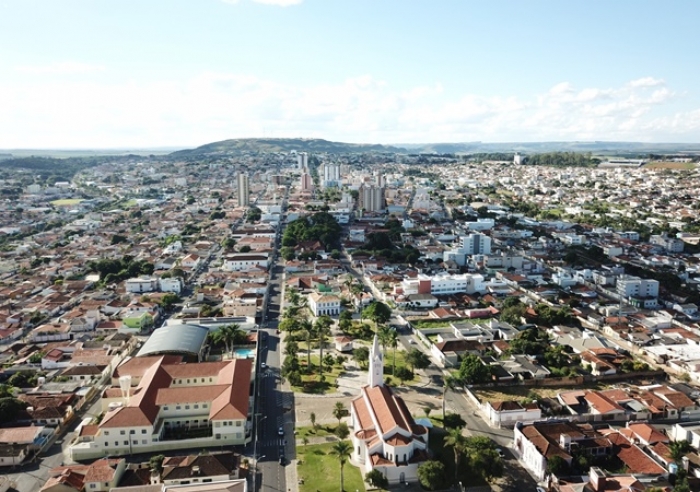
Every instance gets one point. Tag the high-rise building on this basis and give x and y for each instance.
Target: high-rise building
(475, 244)
(331, 174)
(243, 190)
(303, 160)
(371, 198)
(307, 182)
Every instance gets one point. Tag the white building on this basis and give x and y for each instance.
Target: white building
(472, 244)
(172, 284)
(331, 174)
(242, 261)
(443, 284)
(155, 402)
(480, 224)
(385, 436)
(321, 304)
(507, 413)
(141, 284)
(372, 198)
(630, 286)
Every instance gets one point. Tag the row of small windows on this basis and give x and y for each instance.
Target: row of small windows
(126, 443)
(187, 407)
(202, 380)
(132, 431)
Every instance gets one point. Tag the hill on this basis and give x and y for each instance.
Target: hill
(311, 145)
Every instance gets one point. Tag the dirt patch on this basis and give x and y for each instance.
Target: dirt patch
(525, 392)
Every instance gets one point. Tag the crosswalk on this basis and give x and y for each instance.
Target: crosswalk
(273, 443)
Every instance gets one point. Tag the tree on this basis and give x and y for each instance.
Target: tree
(342, 431)
(155, 463)
(431, 475)
(417, 359)
(308, 334)
(426, 410)
(473, 371)
(312, 418)
(169, 299)
(378, 312)
(556, 465)
(448, 383)
(343, 450)
(453, 421)
(228, 335)
(404, 374)
(455, 440)
(339, 411)
(322, 328)
(361, 355)
(10, 408)
(377, 479)
(678, 450)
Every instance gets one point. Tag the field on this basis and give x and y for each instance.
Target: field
(66, 202)
(670, 165)
(320, 471)
(523, 392)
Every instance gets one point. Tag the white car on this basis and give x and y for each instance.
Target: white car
(411, 341)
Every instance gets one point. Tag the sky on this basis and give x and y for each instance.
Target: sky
(182, 73)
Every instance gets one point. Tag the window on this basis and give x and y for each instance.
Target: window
(238, 423)
(165, 407)
(143, 431)
(179, 381)
(177, 407)
(122, 432)
(106, 433)
(204, 405)
(188, 381)
(196, 406)
(211, 380)
(187, 407)
(116, 443)
(132, 431)
(126, 443)
(217, 424)
(202, 379)
(218, 436)
(93, 485)
(135, 443)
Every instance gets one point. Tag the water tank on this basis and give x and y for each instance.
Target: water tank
(673, 468)
(115, 404)
(125, 384)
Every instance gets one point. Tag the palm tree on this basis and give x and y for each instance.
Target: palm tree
(339, 411)
(322, 326)
(343, 450)
(448, 383)
(229, 334)
(308, 334)
(458, 443)
(393, 340)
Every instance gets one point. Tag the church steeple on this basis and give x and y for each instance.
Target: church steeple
(376, 364)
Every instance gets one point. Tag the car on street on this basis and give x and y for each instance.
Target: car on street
(411, 341)
(263, 365)
(280, 431)
(500, 452)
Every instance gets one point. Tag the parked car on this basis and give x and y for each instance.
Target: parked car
(280, 431)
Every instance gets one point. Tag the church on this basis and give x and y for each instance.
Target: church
(384, 435)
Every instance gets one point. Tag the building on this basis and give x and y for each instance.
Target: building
(469, 245)
(508, 413)
(385, 436)
(185, 340)
(670, 244)
(307, 183)
(629, 286)
(237, 262)
(243, 190)
(372, 198)
(442, 284)
(302, 160)
(331, 174)
(158, 403)
(321, 304)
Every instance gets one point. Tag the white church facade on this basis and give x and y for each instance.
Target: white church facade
(384, 435)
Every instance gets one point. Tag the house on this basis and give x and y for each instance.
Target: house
(343, 344)
(540, 441)
(141, 284)
(385, 436)
(160, 404)
(191, 261)
(242, 261)
(321, 304)
(16, 443)
(100, 476)
(507, 413)
(204, 468)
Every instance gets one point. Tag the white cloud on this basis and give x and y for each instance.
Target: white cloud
(646, 82)
(60, 68)
(279, 3)
(80, 112)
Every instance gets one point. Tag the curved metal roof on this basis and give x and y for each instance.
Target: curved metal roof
(175, 339)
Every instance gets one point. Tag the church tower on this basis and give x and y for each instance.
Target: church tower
(376, 365)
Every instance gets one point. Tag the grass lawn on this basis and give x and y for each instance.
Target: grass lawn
(310, 382)
(426, 324)
(320, 470)
(400, 362)
(66, 202)
(309, 432)
(670, 165)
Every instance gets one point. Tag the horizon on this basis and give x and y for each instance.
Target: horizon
(104, 76)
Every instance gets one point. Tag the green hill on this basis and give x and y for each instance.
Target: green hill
(311, 145)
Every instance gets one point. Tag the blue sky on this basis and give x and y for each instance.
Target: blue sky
(145, 73)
